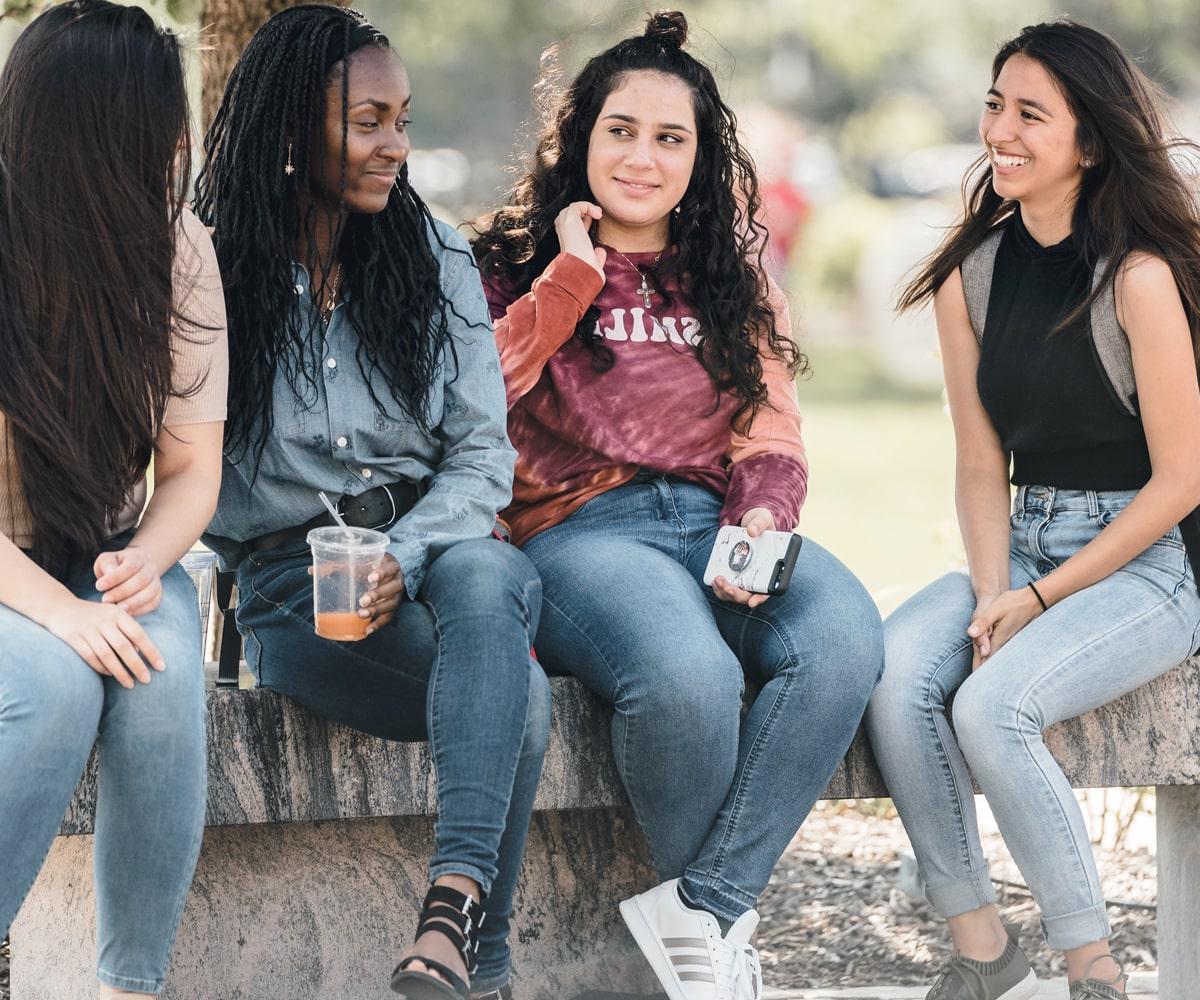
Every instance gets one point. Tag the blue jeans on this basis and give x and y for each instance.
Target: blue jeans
(151, 794)
(932, 718)
(719, 795)
(453, 668)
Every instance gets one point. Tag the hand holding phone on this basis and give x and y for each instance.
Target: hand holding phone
(761, 565)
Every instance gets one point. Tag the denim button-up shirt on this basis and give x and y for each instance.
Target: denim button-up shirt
(340, 442)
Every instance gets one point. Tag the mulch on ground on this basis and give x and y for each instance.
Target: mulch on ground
(835, 915)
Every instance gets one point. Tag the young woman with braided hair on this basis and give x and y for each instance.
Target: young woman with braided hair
(650, 383)
(113, 345)
(364, 366)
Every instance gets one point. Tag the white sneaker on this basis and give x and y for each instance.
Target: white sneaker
(686, 950)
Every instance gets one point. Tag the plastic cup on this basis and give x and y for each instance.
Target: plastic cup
(343, 558)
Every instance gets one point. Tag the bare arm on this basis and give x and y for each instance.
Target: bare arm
(982, 495)
(187, 479)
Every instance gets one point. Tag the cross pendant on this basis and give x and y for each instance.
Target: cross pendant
(644, 292)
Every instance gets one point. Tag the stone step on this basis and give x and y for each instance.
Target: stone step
(1142, 986)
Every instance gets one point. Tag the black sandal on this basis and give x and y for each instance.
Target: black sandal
(455, 916)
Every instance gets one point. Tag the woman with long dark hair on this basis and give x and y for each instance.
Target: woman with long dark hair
(112, 334)
(1068, 307)
(650, 383)
(364, 367)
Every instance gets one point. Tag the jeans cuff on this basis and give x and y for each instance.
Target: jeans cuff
(486, 980)
(1073, 930)
(717, 897)
(153, 986)
(470, 871)
(951, 899)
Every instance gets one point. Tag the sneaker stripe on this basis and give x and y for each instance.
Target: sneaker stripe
(699, 961)
(674, 943)
(695, 977)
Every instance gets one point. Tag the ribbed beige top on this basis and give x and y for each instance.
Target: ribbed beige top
(199, 348)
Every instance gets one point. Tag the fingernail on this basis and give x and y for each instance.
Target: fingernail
(364, 600)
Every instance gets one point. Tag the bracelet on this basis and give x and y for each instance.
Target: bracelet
(1045, 607)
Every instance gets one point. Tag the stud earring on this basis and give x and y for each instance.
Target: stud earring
(1087, 164)
(289, 168)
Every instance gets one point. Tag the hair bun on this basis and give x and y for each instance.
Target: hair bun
(668, 27)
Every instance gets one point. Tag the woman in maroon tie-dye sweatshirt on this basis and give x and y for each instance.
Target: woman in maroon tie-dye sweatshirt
(651, 400)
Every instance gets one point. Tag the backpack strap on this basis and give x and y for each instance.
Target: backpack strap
(1112, 346)
(976, 270)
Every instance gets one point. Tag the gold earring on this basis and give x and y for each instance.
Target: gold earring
(288, 168)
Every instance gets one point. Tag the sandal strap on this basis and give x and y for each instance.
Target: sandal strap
(469, 906)
(455, 916)
(453, 980)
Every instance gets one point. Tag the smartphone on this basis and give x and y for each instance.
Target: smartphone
(761, 565)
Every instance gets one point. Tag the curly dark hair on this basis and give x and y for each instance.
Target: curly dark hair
(1132, 198)
(271, 112)
(88, 220)
(716, 234)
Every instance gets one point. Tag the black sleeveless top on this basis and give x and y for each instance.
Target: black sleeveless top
(1048, 396)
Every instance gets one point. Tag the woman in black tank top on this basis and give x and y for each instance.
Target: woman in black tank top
(1086, 592)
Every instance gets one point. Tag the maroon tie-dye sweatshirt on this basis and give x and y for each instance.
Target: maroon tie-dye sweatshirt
(579, 432)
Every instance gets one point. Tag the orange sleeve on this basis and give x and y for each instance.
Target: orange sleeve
(770, 465)
(533, 327)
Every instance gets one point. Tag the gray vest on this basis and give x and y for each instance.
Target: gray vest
(1112, 346)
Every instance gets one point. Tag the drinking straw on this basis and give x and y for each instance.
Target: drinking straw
(332, 510)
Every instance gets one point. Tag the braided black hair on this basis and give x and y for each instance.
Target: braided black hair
(716, 232)
(271, 114)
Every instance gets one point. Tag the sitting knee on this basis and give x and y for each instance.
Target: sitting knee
(486, 573)
(689, 692)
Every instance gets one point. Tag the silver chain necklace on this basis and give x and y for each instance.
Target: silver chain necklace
(644, 290)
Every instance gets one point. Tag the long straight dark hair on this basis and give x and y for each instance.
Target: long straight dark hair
(93, 112)
(1132, 198)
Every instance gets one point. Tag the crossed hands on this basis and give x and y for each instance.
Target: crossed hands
(997, 618)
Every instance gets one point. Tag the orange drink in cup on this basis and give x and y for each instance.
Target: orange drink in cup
(343, 559)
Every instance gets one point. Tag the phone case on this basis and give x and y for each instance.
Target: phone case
(762, 565)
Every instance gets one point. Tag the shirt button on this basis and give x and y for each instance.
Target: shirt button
(342, 442)
(299, 289)
(332, 363)
(367, 473)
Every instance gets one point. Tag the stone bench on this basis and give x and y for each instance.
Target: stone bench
(314, 858)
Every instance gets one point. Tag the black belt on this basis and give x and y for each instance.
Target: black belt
(379, 507)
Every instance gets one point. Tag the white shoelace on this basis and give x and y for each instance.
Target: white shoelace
(746, 982)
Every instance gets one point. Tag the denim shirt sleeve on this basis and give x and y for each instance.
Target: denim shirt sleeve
(472, 482)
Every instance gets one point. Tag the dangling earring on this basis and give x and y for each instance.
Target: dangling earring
(289, 168)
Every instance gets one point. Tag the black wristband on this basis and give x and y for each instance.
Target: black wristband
(1039, 597)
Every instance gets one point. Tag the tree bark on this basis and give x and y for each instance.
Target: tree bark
(227, 26)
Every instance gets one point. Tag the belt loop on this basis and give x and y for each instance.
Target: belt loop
(1019, 499)
(1093, 502)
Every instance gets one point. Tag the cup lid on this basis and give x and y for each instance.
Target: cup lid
(334, 538)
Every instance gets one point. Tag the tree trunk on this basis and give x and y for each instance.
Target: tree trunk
(228, 25)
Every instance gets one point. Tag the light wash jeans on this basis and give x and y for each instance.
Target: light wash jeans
(150, 799)
(931, 719)
(718, 794)
(453, 668)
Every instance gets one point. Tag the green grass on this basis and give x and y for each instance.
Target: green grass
(881, 489)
